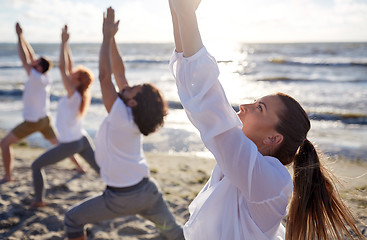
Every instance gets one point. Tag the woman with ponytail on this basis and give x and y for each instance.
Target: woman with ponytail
(316, 209)
(247, 194)
(70, 113)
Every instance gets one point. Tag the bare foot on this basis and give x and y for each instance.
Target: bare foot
(38, 204)
(6, 179)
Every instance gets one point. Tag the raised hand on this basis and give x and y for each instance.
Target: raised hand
(186, 30)
(18, 29)
(110, 27)
(184, 6)
(64, 34)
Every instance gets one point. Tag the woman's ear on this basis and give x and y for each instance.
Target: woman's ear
(132, 103)
(275, 139)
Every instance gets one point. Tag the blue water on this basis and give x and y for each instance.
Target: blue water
(328, 79)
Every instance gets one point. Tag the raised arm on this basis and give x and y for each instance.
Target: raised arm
(110, 28)
(65, 64)
(68, 56)
(118, 67)
(184, 18)
(25, 51)
(176, 28)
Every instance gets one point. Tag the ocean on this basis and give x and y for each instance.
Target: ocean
(328, 79)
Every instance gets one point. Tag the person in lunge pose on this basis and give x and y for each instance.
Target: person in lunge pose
(247, 194)
(132, 111)
(36, 102)
(70, 114)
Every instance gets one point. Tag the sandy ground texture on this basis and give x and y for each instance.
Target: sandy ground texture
(180, 179)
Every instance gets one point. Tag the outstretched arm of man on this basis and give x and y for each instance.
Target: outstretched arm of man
(110, 27)
(25, 51)
(118, 67)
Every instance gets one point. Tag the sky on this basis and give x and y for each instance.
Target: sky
(219, 20)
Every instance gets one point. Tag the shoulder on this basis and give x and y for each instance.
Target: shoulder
(276, 172)
(119, 110)
(34, 73)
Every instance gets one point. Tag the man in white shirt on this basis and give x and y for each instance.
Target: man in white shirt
(132, 111)
(36, 101)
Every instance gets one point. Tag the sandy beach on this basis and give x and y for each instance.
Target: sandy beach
(180, 178)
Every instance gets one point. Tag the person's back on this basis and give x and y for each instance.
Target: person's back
(118, 148)
(36, 96)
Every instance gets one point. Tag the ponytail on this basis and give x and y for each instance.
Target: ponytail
(316, 209)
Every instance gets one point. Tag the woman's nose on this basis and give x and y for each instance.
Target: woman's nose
(243, 107)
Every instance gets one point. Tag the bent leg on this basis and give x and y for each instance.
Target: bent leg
(161, 216)
(7, 154)
(54, 141)
(52, 156)
(88, 154)
(91, 210)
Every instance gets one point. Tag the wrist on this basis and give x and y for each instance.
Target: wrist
(107, 37)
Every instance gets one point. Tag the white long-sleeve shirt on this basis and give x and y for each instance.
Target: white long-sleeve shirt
(247, 194)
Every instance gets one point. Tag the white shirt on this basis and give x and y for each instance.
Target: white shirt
(247, 194)
(36, 96)
(68, 124)
(119, 152)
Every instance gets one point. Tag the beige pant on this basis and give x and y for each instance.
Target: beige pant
(27, 128)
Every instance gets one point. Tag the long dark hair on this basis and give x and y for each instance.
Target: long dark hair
(316, 209)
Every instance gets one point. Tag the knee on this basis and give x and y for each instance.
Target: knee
(67, 219)
(72, 224)
(4, 144)
(71, 232)
(70, 220)
(35, 166)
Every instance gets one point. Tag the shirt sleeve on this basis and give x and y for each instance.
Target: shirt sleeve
(208, 109)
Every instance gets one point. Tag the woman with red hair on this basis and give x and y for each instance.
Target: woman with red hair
(70, 113)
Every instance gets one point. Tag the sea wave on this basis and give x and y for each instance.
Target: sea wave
(290, 79)
(10, 66)
(87, 61)
(147, 61)
(318, 62)
(11, 93)
(346, 118)
(17, 93)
